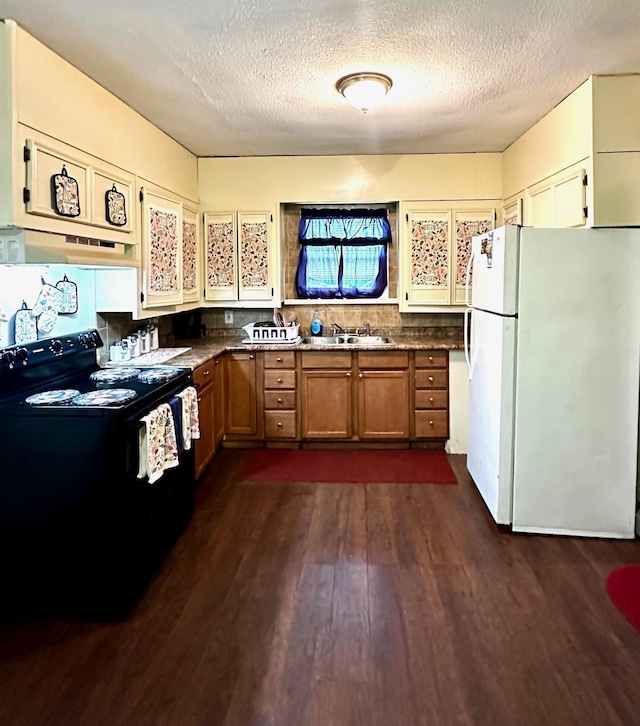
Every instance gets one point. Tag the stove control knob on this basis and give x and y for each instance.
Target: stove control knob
(22, 356)
(82, 340)
(8, 358)
(56, 347)
(92, 339)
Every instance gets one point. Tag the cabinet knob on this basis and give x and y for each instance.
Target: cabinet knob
(279, 380)
(430, 423)
(217, 362)
(279, 400)
(205, 373)
(279, 360)
(359, 375)
(430, 379)
(348, 375)
(251, 357)
(279, 425)
(431, 359)
(430, 399)
(199, 400)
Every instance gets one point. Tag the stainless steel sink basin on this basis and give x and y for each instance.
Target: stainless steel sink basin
(340, 340)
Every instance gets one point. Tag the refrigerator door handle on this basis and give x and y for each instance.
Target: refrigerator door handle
(466, 323)
(467, 279)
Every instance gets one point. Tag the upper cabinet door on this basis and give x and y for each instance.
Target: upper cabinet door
(220, 249)
(112, 197)
(254, 279)
(559, 201)
(161, 250)
(429, 265)
(48, 164)
(468, 224)
(512, 212)
(191, 258)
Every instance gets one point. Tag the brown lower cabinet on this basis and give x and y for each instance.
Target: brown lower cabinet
(205, 446)
(242, 421)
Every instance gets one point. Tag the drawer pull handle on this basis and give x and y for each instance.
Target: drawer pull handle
(279, 360)
(430, 379)
(431, 359)
(279, 425)
(279, 400)
(430, 399)
(279, 380)
(348, 375)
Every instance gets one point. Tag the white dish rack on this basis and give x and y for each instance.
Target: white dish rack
(272, 333)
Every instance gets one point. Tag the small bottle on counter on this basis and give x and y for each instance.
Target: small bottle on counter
(316, 323)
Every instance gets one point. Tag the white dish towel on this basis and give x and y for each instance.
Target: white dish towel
(190, 416)
(158, 449)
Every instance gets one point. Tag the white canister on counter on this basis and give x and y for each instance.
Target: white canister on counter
(154, 343)
(117, 353)
(144, 341)
(134, 345)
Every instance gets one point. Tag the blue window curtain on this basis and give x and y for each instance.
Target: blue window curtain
(343, 253)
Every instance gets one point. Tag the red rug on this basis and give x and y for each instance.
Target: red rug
(623, 586)
(364, 466)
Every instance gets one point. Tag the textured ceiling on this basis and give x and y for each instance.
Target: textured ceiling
(257, 77)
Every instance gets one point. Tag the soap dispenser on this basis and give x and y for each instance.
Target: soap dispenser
(316, 323)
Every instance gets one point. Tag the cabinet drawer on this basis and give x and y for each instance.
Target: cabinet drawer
(431, 425)
(280, 400)
(431, 379)
(286, 359)
(203, 375)
(339, 359)
(431, 399)
(431, 358)
(279, 379)
(384, 359)
(280, 424)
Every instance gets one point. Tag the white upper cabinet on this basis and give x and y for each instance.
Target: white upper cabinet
(161, 250)
(238, 248)
(559, 201)
(435, 248)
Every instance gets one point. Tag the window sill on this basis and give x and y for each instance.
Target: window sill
(341, 301)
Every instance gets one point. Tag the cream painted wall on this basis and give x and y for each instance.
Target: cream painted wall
(6, 124)
(264, 182)
(458, 402)
(562, 138)
(90, 118)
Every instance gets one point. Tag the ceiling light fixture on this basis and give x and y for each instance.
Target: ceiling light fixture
(364, 91)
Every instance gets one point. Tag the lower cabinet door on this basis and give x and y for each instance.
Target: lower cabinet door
(242, 418)
(219, 404)
(383, 404)
(205, 446)
(326, 404)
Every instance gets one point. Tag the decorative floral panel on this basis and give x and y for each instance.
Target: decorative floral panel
(430, 253)
(163, 251)
(465, 230)
(189, 252)
(220, 244)
(254, 254)
(512, 218)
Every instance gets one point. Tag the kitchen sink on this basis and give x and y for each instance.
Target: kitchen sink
(340, 340)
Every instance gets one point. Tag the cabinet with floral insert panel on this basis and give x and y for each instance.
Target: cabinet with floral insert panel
(161, 249)
(238, 257)
(435, 248)
(191, 257)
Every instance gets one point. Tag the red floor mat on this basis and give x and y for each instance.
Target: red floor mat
(364, 466)
(623, 586)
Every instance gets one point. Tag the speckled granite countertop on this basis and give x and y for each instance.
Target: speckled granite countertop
(203, 349)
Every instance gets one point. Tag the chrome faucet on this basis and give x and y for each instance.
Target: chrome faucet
(367, 328)
(335, 329)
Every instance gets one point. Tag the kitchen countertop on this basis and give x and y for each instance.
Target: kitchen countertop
(203, 349)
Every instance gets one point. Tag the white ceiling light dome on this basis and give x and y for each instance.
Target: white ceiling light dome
(364, 91)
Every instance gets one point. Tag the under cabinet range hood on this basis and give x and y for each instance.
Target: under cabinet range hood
(18, 245)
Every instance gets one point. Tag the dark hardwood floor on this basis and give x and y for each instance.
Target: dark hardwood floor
(328, 605)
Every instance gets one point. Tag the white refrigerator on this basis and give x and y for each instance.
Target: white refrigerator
(554, 378)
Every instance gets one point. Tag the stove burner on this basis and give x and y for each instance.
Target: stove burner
(109, 397)
(113, 375)
(51, 398)
(158, 375)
